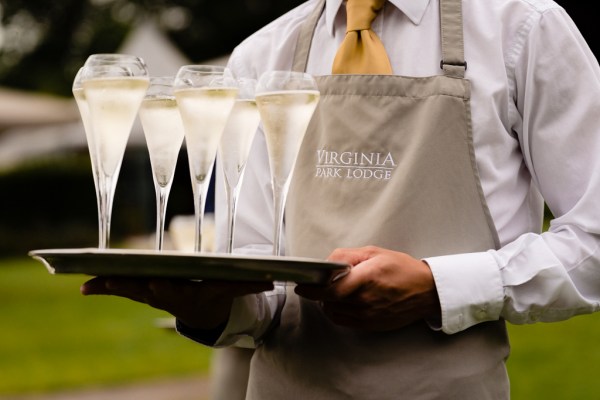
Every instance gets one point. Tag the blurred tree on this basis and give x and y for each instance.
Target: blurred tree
(43, 43)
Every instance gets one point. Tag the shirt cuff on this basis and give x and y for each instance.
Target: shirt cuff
(469, 287)
(227, 333)
(206, 337)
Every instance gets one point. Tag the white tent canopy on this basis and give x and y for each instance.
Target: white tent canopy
(160, 55)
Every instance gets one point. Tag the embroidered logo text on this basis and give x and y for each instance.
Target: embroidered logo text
(354, 165)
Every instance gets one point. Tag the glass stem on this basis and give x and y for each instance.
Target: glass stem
(199, 202)
(102, 239)
(99, 207)
(230, 219)
(162, 196)
(279, 196)
(106, 189)
(200, 185)
(232, 196)
(200, 194)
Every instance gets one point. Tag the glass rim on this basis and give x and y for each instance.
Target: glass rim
(200, 75)
(283, 80)
(160, 87)
(113, 56)
(170, 79)
(202, 68)
(88, 72)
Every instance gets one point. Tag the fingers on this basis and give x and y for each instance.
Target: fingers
(347, 286)
(112, 286)
(134, 289)
(341, 291)
(139, 289)
(384, 290)
(93, 286)
(312, 292)
(352, 256)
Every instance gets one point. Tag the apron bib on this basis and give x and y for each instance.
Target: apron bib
(386, 161)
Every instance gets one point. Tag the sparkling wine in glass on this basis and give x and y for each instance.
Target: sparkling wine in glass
(286, 101)
(111, 92)
(84, 111)
(163, 129)
(205, 95)
(234, 148)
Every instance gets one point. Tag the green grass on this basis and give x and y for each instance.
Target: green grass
(53, 338)
(555, 360)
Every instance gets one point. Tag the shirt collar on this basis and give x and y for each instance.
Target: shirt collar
(413, 9)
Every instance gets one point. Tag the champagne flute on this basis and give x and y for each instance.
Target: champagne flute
(205, 95)
(163, 130)
(79, 95)
(84, 111)
(286, 101)
(113, 90)
(234, 148)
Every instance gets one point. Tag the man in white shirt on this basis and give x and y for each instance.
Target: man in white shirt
(421, 313)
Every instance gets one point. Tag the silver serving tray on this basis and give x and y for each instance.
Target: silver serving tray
(195, 266)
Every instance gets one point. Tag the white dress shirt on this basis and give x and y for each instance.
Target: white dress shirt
(536, 130)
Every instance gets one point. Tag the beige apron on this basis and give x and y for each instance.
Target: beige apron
(387, 161)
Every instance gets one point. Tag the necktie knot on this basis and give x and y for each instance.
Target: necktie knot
(361, 13)
(361, 51)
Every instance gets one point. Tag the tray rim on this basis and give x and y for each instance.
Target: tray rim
(302, 269)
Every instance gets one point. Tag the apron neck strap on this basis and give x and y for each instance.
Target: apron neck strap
(453, 60)
(305, 39)
(453, 55)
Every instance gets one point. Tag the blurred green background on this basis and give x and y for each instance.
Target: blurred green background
(52, 338)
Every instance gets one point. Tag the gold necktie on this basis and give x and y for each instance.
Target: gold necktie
(361, 51)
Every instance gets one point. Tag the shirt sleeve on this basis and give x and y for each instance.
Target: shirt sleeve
(554, 275)
(251, 318)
